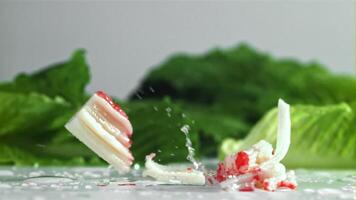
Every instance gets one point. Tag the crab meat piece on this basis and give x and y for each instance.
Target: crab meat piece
(105, 128)
(170, 175)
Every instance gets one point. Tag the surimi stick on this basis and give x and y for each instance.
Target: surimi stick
(104, 127)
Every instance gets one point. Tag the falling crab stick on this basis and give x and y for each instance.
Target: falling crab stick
(105, 128)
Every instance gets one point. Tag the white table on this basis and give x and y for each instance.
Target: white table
(103, 183)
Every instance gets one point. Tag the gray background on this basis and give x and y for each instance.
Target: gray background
(125, 39)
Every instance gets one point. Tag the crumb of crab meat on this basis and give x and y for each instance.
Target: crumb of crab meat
(220, 173)
(229, 165)
(233, 165)
(291, 180)
(264, 151)
(247, 189)
(287, 184)
(270, 184)
(276, 170)
(241, 162)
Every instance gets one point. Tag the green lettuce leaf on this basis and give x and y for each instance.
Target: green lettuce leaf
(243, 82)
(31, 113)
(34, 110)
(322, 136)
(67, 80)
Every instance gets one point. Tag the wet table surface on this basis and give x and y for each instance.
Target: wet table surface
(40, 183)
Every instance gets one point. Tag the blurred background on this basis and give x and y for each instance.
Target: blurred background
(125, 38)
(232, 61)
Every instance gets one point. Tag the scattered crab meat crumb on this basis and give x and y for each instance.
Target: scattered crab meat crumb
(246, 189)
(241, 162)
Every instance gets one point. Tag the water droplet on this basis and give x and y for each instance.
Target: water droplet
(168, 109)
(47, 180)
(24, 184)
(136, 166)
(347, 196)
(350, 188)
(40, 145)
(151, 89)
(4, 186)
(91, 174)
(88, 187)
(308, 190)
(185, 129)
(36, 173)
(191, 151)
(349, 179)
(6, 173)
(138, 96)
(329, 192)
(38, 198)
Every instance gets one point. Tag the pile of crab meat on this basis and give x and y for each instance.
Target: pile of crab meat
(259, 167)
(244, 171)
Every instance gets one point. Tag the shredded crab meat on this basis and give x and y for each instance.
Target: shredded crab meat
(170, 175)
(259, 167)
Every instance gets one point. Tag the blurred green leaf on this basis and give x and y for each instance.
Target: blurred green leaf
(244, 83)
(322, 136)
(67, 80)
(31, 113)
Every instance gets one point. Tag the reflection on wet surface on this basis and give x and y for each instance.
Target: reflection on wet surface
(102, 183)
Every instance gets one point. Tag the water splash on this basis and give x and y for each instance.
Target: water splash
(191, 151)
(169, 110)
(136, 166)
(151, 89)
(138, 96)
